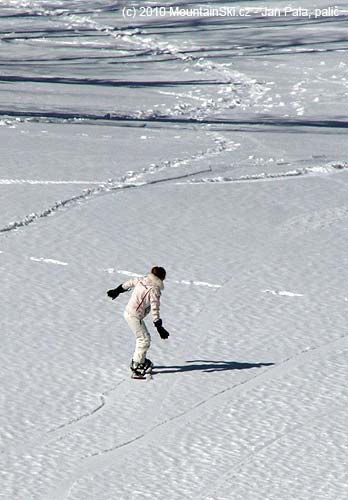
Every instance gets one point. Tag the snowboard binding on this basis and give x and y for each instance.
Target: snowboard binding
(140, 370)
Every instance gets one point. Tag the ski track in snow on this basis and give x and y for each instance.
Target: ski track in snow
(67, 428)
(130, 181)
(180, 282)
(219, 483)
(104, 458)
(42, 182)
(131, 274)
(87, 194)
(227, 97)
(133, 180)
(238, 88)
(48, 261)
(271, 176)
(283, 293)
(111, 270)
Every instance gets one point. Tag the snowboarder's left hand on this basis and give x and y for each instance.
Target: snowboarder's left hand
(114, 293)
(161, 330)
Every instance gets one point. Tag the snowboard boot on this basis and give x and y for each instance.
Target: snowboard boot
(148, 365)
(140, 369)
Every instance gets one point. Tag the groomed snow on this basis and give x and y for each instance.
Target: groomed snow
(214, 146)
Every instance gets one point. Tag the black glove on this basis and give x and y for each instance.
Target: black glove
(116, 292)
(162, 331)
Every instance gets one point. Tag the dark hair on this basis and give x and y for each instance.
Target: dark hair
(160, 272)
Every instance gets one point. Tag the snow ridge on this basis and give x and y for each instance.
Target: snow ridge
(325, 170)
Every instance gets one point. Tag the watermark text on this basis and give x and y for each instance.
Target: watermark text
(201, 12)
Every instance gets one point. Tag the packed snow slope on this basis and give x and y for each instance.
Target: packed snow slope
(143, 133)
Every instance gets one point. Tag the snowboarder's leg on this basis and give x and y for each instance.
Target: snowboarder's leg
(142, 339)
(142, 336)
(142, 343)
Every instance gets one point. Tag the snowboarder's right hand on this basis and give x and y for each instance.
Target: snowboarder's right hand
(162, 331)
(113, 294)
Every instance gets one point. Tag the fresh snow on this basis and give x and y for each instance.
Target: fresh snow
(214, 146)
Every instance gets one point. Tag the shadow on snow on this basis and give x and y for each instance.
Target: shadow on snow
(209, 366)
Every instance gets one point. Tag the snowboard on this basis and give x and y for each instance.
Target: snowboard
(146, 376)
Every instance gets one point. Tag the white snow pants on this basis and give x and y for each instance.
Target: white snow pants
(142, 337)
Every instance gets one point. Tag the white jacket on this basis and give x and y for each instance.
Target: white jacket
(145, 296)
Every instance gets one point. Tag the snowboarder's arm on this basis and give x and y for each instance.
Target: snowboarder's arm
(155, 297)
(155, 310)
(124, 287)
(127, 285)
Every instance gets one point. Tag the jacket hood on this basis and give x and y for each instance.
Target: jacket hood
(155, 281)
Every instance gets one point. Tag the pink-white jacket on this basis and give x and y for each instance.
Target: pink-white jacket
(145, 296)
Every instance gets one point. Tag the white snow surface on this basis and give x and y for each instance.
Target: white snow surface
(215, 146)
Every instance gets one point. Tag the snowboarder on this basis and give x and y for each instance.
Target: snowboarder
(145, 298)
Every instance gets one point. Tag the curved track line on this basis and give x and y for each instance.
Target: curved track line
(104, 189)
(107, 457)
(127, 182)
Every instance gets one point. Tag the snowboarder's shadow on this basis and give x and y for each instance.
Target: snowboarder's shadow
(209, 366)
